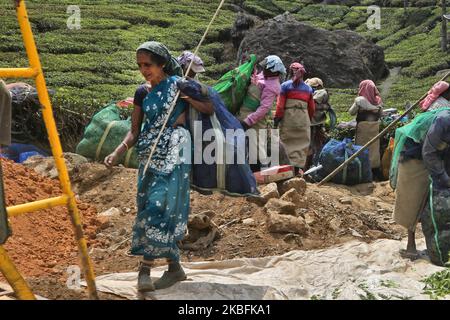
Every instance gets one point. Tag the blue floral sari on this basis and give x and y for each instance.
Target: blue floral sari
(163, 193)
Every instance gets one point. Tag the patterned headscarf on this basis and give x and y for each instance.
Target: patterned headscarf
(172, 67)
(298, 71)
(438, 88)
(368, 90)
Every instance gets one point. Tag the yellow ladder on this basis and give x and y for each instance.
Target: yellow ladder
(8, 269)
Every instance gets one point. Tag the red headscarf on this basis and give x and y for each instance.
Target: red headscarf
(298, 72)
(434, 93)
(368, 90)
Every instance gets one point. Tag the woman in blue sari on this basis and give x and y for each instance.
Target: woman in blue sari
(163, 191)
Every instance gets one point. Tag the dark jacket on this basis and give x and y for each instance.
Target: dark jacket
(436, 150)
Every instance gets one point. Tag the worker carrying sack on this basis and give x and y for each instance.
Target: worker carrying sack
(104, 133)
(334, 153)
(416, 130)
(233, 85)
(233, 178)
(436, 225)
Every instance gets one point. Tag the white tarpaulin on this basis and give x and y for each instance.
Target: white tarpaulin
(354, 270)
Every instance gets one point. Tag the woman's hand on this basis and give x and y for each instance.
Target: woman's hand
(205, 107)
(111, 160)
(181, 120)
(187, 99)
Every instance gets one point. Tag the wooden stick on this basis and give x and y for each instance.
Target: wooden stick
(393, 123)
(178, 93)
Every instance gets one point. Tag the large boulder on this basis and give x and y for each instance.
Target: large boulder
(340, 58)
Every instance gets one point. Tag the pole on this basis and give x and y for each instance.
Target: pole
(368, 144)
(444, 39)
(55, 144)
(178, 93)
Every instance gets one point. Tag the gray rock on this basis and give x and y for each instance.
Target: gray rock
(249, 222)
(346, 200)
(110, 212)
(286, 224)
(340, 58)
(335, 223)
(299, 184)
(270, 191)
(292, 196)
(310, 218)
(376, 234)
(46, 165)
(278, 206)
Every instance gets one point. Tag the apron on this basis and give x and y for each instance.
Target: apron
(365, 131)
(411, 193)
(295, 131)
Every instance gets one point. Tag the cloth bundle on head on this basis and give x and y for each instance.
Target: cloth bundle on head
(314, 82)
(436, 90)
(298, 71)
(368, 90)
(273, 63)
(185, 59)
(172, 67)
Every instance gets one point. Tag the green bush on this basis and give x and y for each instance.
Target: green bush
(95, 65)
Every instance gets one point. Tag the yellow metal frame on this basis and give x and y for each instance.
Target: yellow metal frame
(68, 198)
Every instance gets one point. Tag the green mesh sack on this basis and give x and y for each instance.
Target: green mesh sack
(232, 86)
(104, 133)
(415, 130)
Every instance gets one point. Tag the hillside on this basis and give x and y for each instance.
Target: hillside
(94, 65)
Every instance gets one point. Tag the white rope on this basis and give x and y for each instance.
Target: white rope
(178, 92)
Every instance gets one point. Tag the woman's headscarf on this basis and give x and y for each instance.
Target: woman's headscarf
(274, 64)
(368, 90)
(436, 90)
(185, 59)
(172, 67)
(298, 71)
(314, 82)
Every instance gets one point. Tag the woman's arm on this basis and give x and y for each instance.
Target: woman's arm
(268, 96)
(201, 106)
(130, 139)
(354, 109)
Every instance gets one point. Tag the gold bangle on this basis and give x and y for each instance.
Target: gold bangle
(126, 146)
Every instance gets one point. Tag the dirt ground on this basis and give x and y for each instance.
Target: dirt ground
(335, 214)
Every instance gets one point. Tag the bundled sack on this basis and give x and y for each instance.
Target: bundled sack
(104, 133)
(436, 226)
(387, 159)
(233, 85)
(334, 153)
(235, 178)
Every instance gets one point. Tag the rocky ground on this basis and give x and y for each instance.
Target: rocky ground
(288, 216)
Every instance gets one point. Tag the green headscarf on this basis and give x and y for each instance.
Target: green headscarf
(172, 67)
